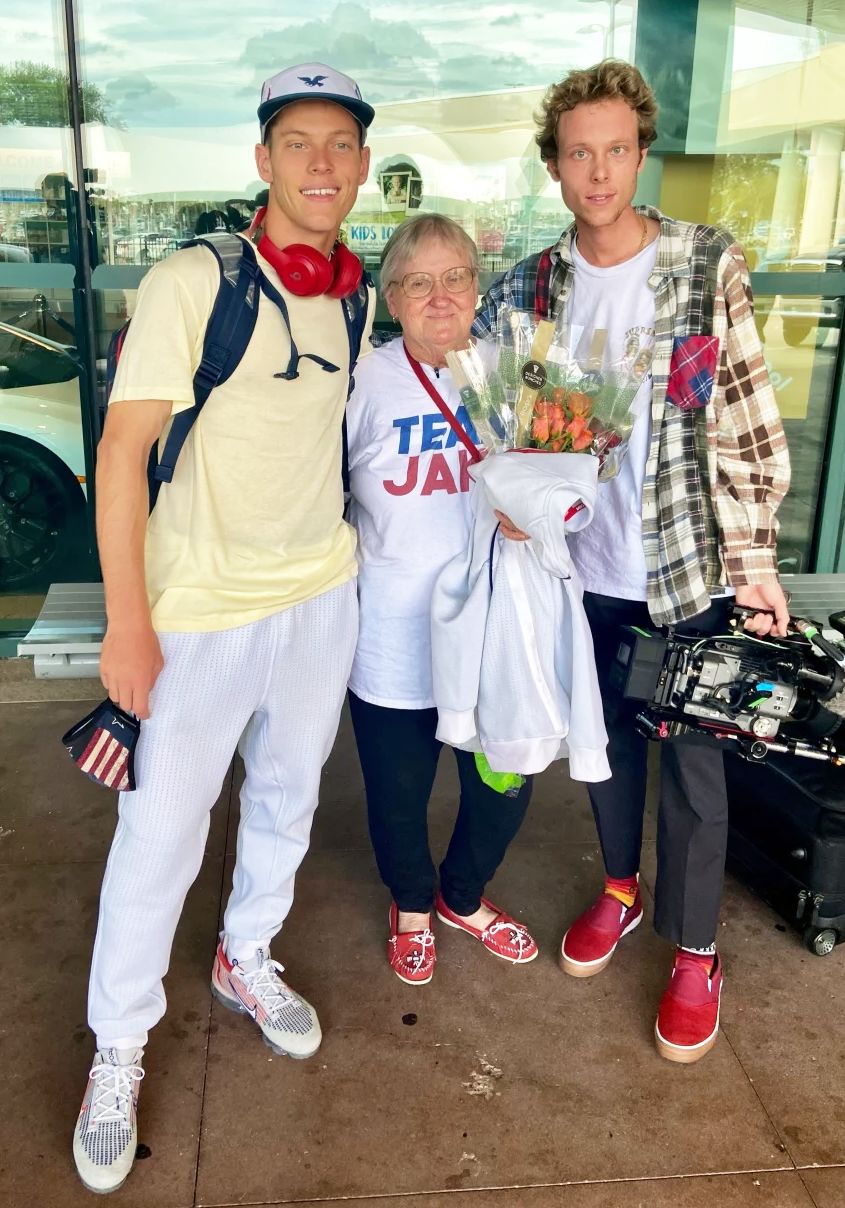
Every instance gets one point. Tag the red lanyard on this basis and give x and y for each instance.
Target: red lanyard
(442, 406)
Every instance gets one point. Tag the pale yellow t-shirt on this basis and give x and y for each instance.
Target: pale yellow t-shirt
(252, 520)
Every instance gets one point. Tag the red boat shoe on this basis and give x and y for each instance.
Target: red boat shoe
(411, 954)
(688, 1020)
(504, 937)
(591, 940)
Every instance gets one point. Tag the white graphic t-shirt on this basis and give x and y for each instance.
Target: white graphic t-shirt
(409, 482)
(609, 552)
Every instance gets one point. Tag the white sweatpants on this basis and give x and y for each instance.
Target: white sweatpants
(287, 672)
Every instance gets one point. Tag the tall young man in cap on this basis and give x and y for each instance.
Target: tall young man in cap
(690, 516)
(234, 601)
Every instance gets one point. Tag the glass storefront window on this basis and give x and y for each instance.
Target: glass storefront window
(802, 376)
(42, 462)
(455, 92)
(43, 489)
(752, 137)
(36, 159)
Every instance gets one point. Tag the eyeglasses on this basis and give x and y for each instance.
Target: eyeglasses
(419, 285)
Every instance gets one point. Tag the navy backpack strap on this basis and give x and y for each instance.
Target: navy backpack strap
(229, 330)
(115, 348)
(355, 310)
(344, 456)
(232, 320)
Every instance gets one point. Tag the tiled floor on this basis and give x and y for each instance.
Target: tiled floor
(584, 1114)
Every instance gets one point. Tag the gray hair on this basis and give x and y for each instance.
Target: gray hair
(408, 238)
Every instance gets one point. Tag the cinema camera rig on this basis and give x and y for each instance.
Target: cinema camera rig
(760, 694)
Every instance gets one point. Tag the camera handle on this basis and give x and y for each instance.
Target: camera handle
(807, 630)
(741, 612)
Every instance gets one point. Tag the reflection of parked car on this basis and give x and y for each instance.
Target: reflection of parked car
(801, 314)
(13, 252)
(148, 248)
(490, 242)
(42, 465)
(524, 241)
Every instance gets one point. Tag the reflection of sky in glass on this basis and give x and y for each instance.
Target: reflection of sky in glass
(180, 83)
(762, 40)
(190, 64)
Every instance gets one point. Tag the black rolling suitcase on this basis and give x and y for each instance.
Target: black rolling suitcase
(787, 841)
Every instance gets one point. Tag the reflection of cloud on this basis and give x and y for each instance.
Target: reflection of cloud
(349, 39)
(391, 60)
(187, 64)
(174, 23)
(135, 96)
(475, 73)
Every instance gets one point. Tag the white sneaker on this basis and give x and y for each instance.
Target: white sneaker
(288, 1023)
(106, 1134)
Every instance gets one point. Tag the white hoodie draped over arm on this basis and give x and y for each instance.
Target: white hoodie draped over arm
(513, 667)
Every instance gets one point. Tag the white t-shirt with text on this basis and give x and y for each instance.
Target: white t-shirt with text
(409, 484)
(609, 552)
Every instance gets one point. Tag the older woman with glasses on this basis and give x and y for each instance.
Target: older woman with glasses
(410, 447)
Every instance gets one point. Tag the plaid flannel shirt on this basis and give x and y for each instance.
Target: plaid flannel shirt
(715, 473)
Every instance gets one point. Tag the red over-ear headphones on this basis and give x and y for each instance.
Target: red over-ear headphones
(306, 272)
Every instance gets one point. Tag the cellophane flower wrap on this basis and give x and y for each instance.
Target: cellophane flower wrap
(552, 387)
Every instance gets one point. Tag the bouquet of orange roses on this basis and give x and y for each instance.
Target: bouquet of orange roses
(544, 386)
(561, 422)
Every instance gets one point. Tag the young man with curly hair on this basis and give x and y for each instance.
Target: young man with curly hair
(688, 523)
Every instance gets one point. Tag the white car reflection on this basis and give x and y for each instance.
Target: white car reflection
(13, 253)
(42, 463)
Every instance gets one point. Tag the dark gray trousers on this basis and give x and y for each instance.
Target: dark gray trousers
(692, 822)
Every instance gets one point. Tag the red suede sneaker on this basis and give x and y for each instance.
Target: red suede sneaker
(688, 1019)
(591, 940)
(504, 937)
(411, 954)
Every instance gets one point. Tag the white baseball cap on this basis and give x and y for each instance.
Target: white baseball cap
(312, 82)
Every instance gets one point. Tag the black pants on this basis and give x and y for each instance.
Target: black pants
(399, 754)
(692, 824)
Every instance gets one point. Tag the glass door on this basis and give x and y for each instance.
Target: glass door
(44, 528)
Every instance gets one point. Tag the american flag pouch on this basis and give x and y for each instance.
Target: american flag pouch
(102, 745)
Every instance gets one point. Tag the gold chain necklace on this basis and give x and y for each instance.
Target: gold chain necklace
(644, 236)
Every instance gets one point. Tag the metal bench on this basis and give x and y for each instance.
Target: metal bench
(815, 596)
(66, 639)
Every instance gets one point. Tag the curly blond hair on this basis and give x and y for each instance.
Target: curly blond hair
(607, 80)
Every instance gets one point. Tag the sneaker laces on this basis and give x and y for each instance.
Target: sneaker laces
(113, 1092)
(423, 940)
(519, 935)
(266, 985)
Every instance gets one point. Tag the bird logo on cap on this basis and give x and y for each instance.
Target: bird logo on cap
(313, 81)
